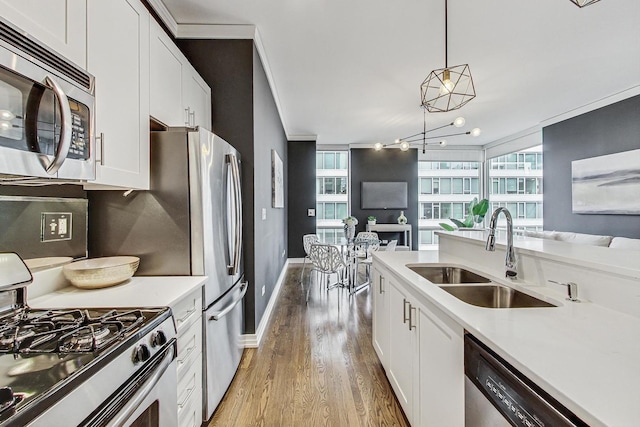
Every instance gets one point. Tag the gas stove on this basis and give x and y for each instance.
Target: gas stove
(44, 354)
(92, 366)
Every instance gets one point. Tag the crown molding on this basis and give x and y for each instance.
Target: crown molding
(164, 14)
(603, 102)
(304, 138)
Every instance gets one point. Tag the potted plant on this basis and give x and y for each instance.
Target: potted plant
(477, 211)
(371, 219)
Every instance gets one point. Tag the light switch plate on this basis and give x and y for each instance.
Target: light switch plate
(311, 212)
(264, 214)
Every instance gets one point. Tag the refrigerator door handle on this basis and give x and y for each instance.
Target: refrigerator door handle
(236, 196)
(219, 315)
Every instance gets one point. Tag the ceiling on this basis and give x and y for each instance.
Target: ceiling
(349, 72)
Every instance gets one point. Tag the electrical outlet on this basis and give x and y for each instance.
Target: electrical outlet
(55, 226)
(264, 289)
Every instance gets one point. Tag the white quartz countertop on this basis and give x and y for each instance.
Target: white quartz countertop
(585, 355)
(158, 291)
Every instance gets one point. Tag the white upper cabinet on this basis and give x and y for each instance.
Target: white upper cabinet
(118, 56)
(179, 96)
(196, 99)
(165, 79)
(59, 24)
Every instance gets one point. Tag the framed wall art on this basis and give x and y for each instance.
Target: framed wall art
(606, 184)
(277, 181)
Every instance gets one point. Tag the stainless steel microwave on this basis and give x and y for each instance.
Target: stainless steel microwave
(46, 112)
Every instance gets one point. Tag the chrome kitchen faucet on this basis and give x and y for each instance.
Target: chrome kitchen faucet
(511, 270)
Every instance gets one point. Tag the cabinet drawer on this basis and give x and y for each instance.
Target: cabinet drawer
(187, 310)
(190, 396)
(189, 347)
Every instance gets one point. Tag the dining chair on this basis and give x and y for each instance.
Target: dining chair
(364, 245)
(327, 260)
(391, 246)
(307, 241)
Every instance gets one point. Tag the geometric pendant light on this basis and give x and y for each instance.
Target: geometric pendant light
(583, 3)
(448, 88)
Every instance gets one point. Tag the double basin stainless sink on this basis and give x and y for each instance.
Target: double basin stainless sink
(451, 279)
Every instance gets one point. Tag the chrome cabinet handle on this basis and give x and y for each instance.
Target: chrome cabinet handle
(186, 354)
(381, 288)
(186, 116)
(412, 311)
(186, 398)
(64, 143)
(187, 314)
(404, 310)
(192, 118)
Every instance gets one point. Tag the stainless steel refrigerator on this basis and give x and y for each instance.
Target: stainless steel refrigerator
(189, 223)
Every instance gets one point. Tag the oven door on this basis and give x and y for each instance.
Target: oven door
(149, 399)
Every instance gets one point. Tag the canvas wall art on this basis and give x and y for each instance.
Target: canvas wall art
(277, 181)
(607, 184)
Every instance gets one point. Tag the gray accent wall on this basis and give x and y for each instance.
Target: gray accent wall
(385, 165)
(302, 194)
(607, 130)
(245, 115)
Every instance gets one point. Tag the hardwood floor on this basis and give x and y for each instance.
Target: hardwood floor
(315, 367)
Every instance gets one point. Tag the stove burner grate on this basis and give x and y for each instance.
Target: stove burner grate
(65, 331)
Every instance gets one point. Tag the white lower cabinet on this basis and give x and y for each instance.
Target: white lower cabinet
(422, 351)
(380, 313)
(402, 348)
(188, 316)
(440, 370)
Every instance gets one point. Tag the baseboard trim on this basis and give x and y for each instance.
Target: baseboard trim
(253, 340)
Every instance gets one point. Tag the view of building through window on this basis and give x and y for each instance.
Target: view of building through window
(332, 194)
(515, 182)
(445, 190)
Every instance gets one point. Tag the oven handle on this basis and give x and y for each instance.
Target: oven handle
(143, 392)
(219, 315)
(65, 128)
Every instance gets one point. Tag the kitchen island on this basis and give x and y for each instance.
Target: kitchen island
(585, 354)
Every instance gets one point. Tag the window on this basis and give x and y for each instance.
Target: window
(445, 190)
(331, 210)
(331, 185)
(332, 160)
(332, 188)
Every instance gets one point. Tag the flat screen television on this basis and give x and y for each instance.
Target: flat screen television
(384, 195)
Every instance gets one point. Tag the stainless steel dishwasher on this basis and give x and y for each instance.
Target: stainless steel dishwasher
(496, 394)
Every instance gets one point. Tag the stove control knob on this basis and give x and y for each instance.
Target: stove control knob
(158, 339)
(140, 354)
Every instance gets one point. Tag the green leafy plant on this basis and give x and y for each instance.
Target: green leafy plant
(477, 211)
(371, 218)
